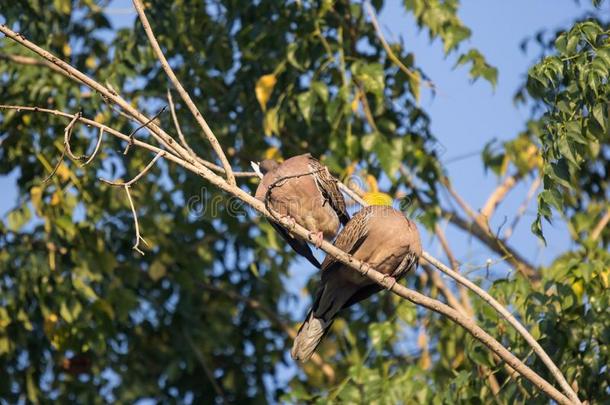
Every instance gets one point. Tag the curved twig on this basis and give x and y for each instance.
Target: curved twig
(159, 154)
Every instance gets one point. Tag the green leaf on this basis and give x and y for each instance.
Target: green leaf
(321, 90)
(18, 218)
(305, 102)
(371, 75)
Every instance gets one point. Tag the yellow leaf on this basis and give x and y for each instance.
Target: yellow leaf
(372, 182)
(578, 287)
(377, 198)
(27, 119)
(36, 195)
(56, 198)
(63, 172)
(91, 62)
(604, 276)
(66, 49)
(264, 88)
(356, 102)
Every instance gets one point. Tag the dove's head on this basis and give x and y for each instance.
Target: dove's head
(268, 165)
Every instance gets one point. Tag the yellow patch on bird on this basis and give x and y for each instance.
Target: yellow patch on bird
(264, 88)
(273, 153)
(372, 182)
(377, 198)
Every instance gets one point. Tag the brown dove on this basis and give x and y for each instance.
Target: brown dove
(302, 189)
(378, 235)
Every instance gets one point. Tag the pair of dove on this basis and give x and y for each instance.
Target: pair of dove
(303, 189)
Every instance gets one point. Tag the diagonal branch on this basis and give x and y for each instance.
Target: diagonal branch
(496, 197)
(68, 70)
(160, 154)
(391, 53)
(184, 94)
(209, 165)
(599, 228)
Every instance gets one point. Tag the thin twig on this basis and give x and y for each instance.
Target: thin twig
(521, 210)
(59, 162)
(133, 133)
(135, 221)
(389, 51)
(69, 71)
(96, 149)
(68, 135)
(184, 94)
(160, 154)
(209, 165)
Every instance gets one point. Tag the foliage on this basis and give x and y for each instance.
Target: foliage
(83, 318)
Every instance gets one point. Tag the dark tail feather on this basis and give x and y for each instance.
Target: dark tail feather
(309, 337)
(298, 245)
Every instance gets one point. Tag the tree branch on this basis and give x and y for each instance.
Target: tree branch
(184, 143)
(600, 225)
(497, 196)
(184, 94)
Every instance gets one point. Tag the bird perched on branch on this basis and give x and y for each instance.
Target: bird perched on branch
(378, 235)
(302, 189)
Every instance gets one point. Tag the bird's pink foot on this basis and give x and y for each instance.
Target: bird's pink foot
(317, 238)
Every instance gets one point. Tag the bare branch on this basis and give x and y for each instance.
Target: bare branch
(160, 154)
(440, 234)
(133, 133)
(209, 165)
(137, 225)
(68, 135)
(96, 149)
(184, 94)
(521, 210)
(599, 228)
(496, 197)
(28, 61)
(59, 162)
(159, 134)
